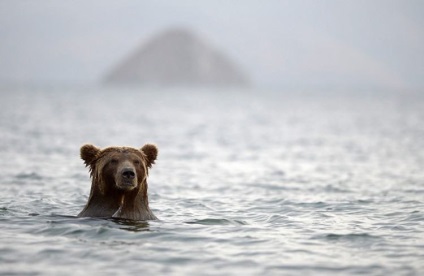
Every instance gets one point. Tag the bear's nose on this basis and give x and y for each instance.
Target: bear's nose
(128, 173)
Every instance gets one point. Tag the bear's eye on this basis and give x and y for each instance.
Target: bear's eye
(114, 161)
(137, 162)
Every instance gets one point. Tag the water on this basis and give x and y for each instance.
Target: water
(246, 182)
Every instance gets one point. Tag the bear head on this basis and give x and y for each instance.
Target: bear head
(118, 169)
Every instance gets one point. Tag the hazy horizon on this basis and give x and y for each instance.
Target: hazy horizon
(279, 44)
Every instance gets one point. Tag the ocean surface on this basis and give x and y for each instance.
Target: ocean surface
(246, 182)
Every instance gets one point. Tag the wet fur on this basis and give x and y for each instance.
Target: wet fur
(106, 200)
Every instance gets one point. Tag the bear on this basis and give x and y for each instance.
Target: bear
(119, 181)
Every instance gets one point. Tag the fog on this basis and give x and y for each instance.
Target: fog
(290, 137)
(294, 44)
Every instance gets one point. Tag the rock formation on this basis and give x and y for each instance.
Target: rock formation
(177, 58)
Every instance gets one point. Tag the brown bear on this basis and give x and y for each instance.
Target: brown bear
(119, 181)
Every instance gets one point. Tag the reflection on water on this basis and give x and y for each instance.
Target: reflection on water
(217, 222)
(131, 225)
(245, 183)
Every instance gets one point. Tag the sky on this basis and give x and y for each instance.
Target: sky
(278, 43)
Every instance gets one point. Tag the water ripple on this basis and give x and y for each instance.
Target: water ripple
(245, 184)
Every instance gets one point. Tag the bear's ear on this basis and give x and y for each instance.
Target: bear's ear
(151, 151)
(88, 153)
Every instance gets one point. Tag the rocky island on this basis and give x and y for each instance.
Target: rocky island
(177, 57)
